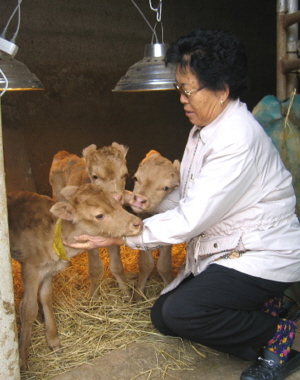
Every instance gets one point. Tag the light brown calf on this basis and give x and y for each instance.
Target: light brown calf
(106, 167)
(155, 178)
(32, 227)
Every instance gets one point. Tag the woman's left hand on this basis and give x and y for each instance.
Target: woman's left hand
(91, 242)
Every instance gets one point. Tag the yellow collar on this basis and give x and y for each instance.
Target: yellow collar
(57, 242)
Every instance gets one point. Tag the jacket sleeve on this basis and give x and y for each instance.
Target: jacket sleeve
(216, 188)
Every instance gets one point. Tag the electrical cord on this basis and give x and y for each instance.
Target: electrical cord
(17, 8)
(158, 17)
(19, 22)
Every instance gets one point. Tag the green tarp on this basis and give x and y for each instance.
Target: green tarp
(281, 121)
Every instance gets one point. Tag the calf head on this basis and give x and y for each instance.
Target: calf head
(94, 211)
(155, 178)
(107, 167)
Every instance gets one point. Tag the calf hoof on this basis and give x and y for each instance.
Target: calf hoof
(126, 293)
(54, 343)
(138, 296)
(57, 348)
(127, 297)
(94, 294)
(23, 364)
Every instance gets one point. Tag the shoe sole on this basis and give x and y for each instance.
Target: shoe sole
(291, 366)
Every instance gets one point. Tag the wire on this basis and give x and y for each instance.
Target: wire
(17, 8)
(6, 84)
(162, 32)
(19, 22)
(148, 23)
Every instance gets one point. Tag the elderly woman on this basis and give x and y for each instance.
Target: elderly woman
(236, 211)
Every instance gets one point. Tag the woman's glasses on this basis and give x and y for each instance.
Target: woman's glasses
(186, 93)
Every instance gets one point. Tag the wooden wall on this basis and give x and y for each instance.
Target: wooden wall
(80, 48)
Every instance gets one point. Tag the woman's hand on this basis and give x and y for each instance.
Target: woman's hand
(91, 242)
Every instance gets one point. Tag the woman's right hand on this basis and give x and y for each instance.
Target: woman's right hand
(91, 242)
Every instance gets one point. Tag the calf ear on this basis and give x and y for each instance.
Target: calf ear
(122, 148)
(153, 152)
(64, 210)
(89, 150)
(176, 165)
(68, 192)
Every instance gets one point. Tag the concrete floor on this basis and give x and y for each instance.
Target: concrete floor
(160, 357)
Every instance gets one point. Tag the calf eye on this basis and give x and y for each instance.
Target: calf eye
(166, 188)
(134, 178)
(99, 216)
(95, 177)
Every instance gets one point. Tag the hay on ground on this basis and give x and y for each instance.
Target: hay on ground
(91, 328)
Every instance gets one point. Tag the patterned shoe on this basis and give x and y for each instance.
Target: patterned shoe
(267, 367)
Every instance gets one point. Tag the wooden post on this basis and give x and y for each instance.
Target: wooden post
(288, 63)
(9, 352)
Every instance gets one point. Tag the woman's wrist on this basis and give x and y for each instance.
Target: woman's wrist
(120, 241)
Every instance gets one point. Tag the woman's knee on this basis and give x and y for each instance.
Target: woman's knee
(157, 317)
(173, 315)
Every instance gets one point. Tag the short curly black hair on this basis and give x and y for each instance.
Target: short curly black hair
(217, 58)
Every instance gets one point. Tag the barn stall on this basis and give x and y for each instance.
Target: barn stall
(79, 50)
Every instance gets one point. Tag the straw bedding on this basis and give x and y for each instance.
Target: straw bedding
(91, 328)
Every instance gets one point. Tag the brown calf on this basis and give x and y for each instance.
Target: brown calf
(106, 167)
(32, 228)
(155, 178)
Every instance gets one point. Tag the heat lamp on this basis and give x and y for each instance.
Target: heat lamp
(151, 73)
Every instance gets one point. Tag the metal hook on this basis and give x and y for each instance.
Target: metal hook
(158, 10)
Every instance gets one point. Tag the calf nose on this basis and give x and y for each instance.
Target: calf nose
(140, 199)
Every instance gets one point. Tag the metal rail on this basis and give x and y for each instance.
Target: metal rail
(288, 63)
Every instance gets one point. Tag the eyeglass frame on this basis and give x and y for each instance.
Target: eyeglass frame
(186, 93)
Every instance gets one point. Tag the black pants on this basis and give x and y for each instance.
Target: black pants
(220, 308)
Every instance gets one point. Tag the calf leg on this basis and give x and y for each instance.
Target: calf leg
(164, 264)
(57, 183)
(95, 271)
(46, 292)
(117, 269)
(146, 266)
(28, 311)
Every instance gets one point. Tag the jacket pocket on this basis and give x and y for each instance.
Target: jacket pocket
(216, 244)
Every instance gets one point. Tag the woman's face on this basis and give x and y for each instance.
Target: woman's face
(203, 105)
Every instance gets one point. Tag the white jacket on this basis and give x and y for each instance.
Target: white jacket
(237, 203)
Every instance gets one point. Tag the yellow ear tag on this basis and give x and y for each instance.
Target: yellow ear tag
(57, 242)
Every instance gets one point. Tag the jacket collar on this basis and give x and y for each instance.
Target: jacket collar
(207, 131)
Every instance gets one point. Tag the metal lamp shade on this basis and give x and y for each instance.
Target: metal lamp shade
(149, 74)
(18, 75)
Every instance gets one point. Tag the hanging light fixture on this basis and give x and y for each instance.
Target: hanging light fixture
(15, 75)
(18, 76)
(150, 73)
